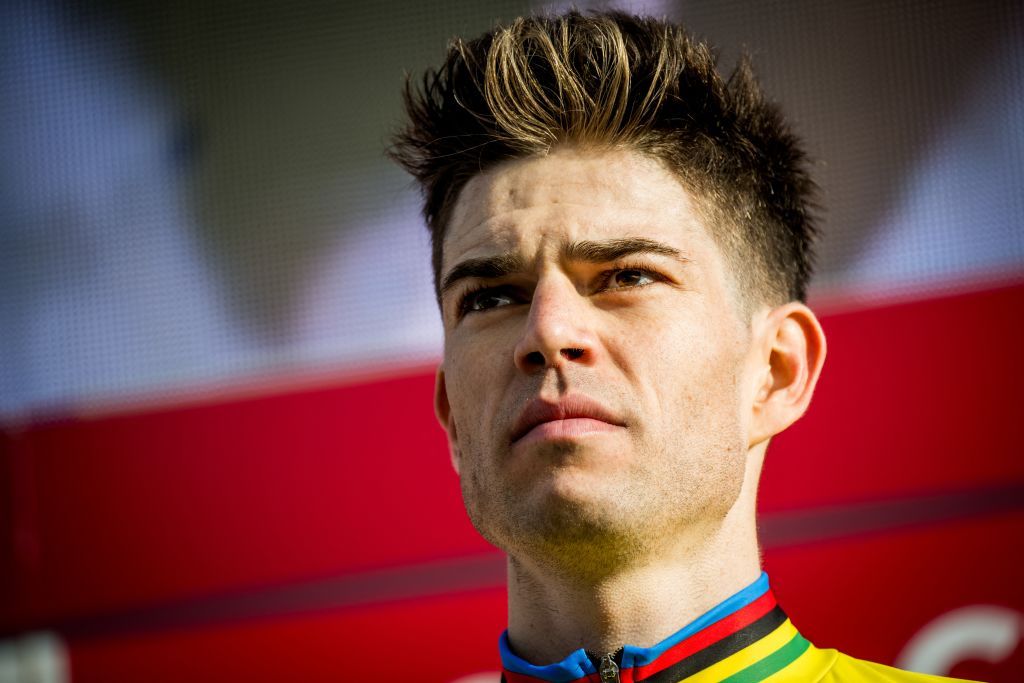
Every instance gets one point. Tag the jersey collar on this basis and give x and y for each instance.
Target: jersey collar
(740, 629)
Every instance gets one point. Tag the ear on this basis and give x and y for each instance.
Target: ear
(443, 411)
(790, 351)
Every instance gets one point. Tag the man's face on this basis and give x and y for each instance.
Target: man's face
(593, 373)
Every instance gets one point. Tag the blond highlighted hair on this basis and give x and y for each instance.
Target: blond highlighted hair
(610, 79)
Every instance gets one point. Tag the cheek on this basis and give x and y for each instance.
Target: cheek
(475, 370)
(689, 371)
(461, 396)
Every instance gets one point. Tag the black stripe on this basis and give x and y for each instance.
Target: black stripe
(484, 571)
(718, 651)
(835, 521)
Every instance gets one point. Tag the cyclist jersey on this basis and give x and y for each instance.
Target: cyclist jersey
(747, 638)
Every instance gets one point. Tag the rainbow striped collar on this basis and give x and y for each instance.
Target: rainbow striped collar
(743, 639)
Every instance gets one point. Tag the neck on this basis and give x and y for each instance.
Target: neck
(553, 614)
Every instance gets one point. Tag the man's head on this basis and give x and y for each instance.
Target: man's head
(619, 237)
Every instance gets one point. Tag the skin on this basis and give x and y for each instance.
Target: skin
(619, 530)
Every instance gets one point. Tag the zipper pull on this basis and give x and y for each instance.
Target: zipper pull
(609, 670)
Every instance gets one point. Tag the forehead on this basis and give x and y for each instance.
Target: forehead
(530, 204)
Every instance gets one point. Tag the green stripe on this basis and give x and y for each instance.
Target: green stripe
(776, 661)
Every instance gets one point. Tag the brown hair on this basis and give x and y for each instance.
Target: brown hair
(616, 80)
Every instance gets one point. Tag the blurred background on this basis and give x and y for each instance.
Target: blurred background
(218, 459)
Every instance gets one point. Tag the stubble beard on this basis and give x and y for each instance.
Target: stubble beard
(627, 523)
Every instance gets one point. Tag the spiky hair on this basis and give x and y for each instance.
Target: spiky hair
(612, 80)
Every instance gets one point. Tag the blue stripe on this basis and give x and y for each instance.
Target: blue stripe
(578, 664)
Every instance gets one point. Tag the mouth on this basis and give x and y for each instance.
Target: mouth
(570, 417)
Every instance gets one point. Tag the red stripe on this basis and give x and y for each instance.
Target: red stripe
(726, 626)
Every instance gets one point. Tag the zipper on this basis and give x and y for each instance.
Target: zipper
(607, 669)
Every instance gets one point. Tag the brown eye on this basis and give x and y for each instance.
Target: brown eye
(629, 277)
(486, 299)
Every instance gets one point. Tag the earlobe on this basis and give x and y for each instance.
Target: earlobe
(792, 353)
(443, 411)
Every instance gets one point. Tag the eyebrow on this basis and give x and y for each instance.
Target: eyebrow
(587, 251)
(614, 249)
(487, 267)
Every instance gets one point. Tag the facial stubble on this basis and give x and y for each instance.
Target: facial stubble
(678, 485)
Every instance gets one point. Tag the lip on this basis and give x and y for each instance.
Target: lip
(570, 416)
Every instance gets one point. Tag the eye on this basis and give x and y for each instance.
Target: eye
(626, 278)
(485, 299)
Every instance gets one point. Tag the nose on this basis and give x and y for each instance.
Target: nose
(557, 329)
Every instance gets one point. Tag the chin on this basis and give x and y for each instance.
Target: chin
(575, 487)
(572, 507)
(574, 537)
(561, 494)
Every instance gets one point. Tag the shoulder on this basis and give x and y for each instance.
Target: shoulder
(846, 669)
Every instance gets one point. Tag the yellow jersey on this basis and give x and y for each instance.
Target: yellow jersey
(745, 639)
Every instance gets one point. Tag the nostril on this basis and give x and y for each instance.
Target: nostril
(535, 358)
(572, 354)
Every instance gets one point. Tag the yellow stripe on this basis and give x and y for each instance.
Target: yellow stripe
(807, 667)
(754, 652)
